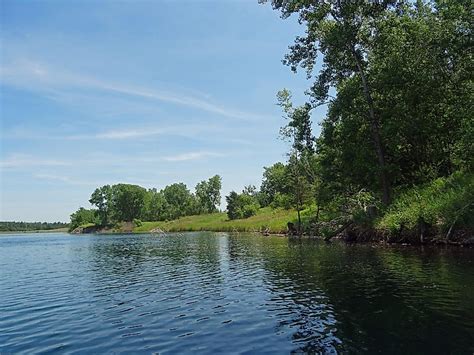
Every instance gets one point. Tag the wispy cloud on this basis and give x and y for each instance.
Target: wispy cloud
(117, 134)
(74, 181)
(61, 178)
(192, 156)
(185, 130)
(38, 77)
(20, 160)
(189, 130)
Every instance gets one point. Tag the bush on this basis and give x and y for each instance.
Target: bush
(82, 216)
(281, 200)
(241, 205)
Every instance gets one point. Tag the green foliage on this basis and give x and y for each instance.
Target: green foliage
(397, 78)
(301, 191)
(101, 198)
(274, 185)
(442, 203)
(127, 202)
(156, 206)
(8, 226)
(242, 205)
(208, 194)
(282, 200)
(179, 200)
(298, 130)
(137, 222)
(274, 220)
(82, 216)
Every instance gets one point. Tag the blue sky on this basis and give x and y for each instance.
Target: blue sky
(143, 92)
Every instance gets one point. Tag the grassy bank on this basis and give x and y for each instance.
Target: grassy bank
(440, 211)
(275, 220)
(443, 209)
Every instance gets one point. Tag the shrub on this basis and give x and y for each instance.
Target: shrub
(241, 205)
(81, 217)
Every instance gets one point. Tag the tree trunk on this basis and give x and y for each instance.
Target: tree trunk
(422, 226)
(299, 222)
(339, 230)
(375, 129)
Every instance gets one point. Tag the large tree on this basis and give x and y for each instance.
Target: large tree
(156, 206)
(127, 202)
(179, 199)
(208, 193)
(101, 198)
(274, 183)
(342, 31)
(298, 131)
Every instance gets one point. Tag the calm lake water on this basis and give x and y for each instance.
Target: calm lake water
(216, 292)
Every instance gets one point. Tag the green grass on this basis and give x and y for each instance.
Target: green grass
(442, 203)
(86, 225)
(274, 219)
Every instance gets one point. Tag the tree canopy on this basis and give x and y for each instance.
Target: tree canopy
(126, 203)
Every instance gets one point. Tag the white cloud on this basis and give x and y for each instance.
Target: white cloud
(117, 134)
(191, 156)
(38, 77)
(20, 160)
(61, 178)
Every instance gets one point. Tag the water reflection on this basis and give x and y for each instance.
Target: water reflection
(389, 299)
(208, 292)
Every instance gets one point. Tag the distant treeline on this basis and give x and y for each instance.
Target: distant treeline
(30, 226)
(125, 202)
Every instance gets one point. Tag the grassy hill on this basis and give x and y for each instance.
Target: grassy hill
(273, 219)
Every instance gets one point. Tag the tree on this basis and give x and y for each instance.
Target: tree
(233, 205)
(342, 31)
(242, 205)
(208, 193)
(82, 216)
(250, 190)
(101, 198)
(156, 206)
(127, 202)
(298, 132)
(179, 199)
(300, 189)
(421, 69)
(274, 184)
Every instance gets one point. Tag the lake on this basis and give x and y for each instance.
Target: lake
(232, 293)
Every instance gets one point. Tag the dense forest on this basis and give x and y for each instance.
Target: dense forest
(395, 151)
(396, 147)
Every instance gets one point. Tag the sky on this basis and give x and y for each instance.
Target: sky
(140, 92)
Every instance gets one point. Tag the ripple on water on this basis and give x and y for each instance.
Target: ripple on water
(214, 293)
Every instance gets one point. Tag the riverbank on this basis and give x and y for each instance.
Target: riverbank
(274, 221)
(267, 220)
(57, 230)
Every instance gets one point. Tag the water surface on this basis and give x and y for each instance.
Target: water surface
(218, 292)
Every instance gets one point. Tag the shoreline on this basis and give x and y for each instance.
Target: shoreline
(377, 237)
(59, 230)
